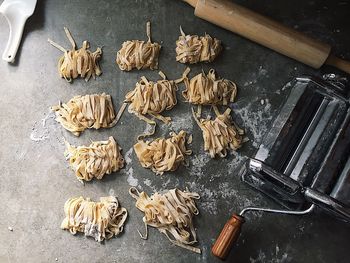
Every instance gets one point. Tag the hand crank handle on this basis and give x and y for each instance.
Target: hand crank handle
(228, 236)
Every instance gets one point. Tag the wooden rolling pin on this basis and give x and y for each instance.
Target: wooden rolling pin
(268, 33)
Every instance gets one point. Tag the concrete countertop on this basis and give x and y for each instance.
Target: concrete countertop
(36, 180)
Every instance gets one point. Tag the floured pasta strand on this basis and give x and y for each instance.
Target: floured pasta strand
(86, 112)
(152, 98)
(208, 90)
(139, 54)
(171, 213)
(193, 49)
(163, 155)
(81, 62)
(100, 220)
(220, 135)
(95, 160)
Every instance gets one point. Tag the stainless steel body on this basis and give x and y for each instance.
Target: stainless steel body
(305, 157)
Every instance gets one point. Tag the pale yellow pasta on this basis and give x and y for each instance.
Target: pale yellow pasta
(152, 98)
(139, 54)
(78, 62)
(193, 49)
(208, 90)
(95, 160)
(86, 112)
(100, 220)
(163, 155)
(220, 134)
(171, 213)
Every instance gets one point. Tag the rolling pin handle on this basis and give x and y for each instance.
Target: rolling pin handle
(229, 234)
(338, 63)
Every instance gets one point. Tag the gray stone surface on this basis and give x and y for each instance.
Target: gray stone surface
(35, 178)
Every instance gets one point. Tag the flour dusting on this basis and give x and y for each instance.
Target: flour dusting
(128, 156)
(276, 256)
(256, 118)
(182, 122)
(198, 162)
(132, 181)
(148, 183)
(41, 130)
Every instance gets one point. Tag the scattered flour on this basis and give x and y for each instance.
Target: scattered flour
(111, 192)
(197, 164)
(41, 130)
(256, 122)
(236, 162)
(276, 256)
(182, 122)
(128, 156)
(262, 71)
(221, 192)
(148, 183)
(132, 181)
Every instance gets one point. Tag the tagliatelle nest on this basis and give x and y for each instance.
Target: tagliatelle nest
(193, 49)
(139, 54)
(81, 62)
(208, 90)
(220, 135)
(100, 220)
(163, 155)
(86, 112)
(171, 213)
(95, 160)
(152, 98)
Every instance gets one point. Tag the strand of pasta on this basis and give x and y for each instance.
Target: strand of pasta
(81, 62)
(171, 213)
(95, 160)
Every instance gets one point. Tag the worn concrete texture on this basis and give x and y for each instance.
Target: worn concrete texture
(36, 180)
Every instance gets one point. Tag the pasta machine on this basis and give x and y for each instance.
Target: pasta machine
(304, 160)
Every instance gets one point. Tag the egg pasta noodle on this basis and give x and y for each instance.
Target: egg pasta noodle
(95, 160)
(100, 220)
(139, 54)
(192, 48)
(171, 213)
(78, 62)
(163, 155)
(86, 112)
(220, 134)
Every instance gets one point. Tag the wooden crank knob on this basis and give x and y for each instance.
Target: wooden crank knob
(229, 234)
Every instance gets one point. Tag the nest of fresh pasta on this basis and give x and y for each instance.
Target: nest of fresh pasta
(86, 112)
(100, 220)
(95, 160)
(152, 98)
(171, 213)
(193, 49)
(78, 62)
(163, 154)
(207, 89)
(221, 134)
(139, 54)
